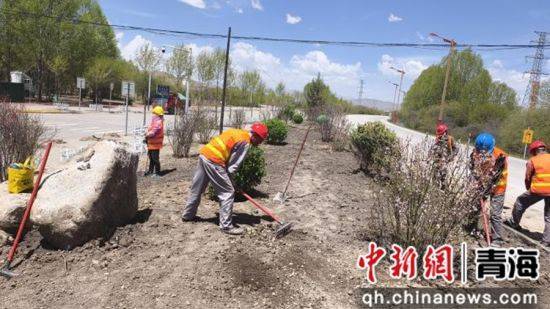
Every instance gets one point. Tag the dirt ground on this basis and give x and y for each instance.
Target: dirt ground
(159, 261)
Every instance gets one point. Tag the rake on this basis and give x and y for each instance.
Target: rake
(283, 228)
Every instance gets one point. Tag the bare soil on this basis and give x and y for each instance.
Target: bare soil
(160, 261)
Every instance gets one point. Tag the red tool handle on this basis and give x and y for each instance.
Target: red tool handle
(262, 208)
(29, 203)
(297, 159)
(485, 223)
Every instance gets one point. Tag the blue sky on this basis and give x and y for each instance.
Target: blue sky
(504, 21)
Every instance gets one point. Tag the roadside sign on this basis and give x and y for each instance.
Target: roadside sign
(112, 86)
(528, 136)
(163, 90)
(128, 88)
(80, 83)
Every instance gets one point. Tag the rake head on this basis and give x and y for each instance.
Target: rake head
(280, 197)
(6, 272)
(283, 229)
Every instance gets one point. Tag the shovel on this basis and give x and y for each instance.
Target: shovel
(281, 197)
(6, 268)
(282, 229)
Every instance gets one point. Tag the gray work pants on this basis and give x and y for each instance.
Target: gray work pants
(525, 201)
(217, 176)
(497, 204)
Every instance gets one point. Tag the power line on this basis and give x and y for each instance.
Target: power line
(159, 31)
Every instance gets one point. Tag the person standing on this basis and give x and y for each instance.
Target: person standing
(483, 166)
(443, 150)
(219, 160)
(537, 183)
(155, 139)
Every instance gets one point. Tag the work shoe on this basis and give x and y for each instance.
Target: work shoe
(511, 223)
(184, 219)
(156, 176)
(233, 231)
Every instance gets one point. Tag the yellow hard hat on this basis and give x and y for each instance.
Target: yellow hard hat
(158, 110)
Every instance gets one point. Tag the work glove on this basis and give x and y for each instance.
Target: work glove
(145, 140)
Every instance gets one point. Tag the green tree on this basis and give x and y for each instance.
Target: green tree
(316, 95)
(180, 64)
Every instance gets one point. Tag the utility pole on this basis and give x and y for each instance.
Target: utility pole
(225, 77)
(531, 96)
(452, 44)
(394, 94)
(361, 92)
(402, 72)
(148, 100)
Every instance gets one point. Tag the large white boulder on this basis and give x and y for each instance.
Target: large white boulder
(88, 199)
(12, 207)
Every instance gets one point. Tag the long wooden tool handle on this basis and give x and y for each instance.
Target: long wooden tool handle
(11, 254)
(485, 223)
(297, 159)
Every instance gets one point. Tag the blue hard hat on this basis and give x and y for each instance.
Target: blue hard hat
(486, 142)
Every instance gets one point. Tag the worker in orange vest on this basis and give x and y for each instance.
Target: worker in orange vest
(537, 183)
(443, 150)
(482, 165)
(218, 162)
(155, 138)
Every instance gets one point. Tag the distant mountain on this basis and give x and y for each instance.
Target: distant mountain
(382, 105)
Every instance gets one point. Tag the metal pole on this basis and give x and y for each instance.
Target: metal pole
(79, 97)
(394, 96)
(524, 151)
(225, 78)
(441, 106)
(148, 100)
(399, 93)
(187, 96)
(127, 103)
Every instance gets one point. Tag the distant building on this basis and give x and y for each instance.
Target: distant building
(19, 77)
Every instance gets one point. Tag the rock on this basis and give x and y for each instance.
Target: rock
(12, 207)
(5, 238)
(75, 206)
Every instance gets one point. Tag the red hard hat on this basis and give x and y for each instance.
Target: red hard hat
(441, 129)
(260, 129)
(536, 145)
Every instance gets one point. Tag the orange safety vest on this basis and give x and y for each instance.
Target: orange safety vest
(540, 183)
(218, 150)
(155, 142)
(500, 187)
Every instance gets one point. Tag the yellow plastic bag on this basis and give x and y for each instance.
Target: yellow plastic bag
(21, 176)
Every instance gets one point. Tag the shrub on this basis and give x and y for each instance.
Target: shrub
(341, 140)
(252, 170)
(287, 112)
(206, 126)
(278, 131)
(414, 208)
(181, 136)
(297, 118)
(330, 121)
(239, 119)
(20, 134)
(374, 145)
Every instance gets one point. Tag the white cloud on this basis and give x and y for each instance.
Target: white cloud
(129, 50)
(240, 11)
(290, 19)
(195, 3)
(412, 66)
(256, 4)
(394, 18)
(119, 35)
(514, 79)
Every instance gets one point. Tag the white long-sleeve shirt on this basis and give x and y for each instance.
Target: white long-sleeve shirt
(238, 153)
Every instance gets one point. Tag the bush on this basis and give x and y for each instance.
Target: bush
(511, 130)
(277, 131)
(374, 145)
(20, 135)
(330, 121)
(341, 140)
(297, 118)
(252, 170)
(414, 208)
(206, 126)
(287, 113)
(181, 136)
(239, 119)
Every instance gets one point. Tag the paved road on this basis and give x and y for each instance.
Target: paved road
(533, 218)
